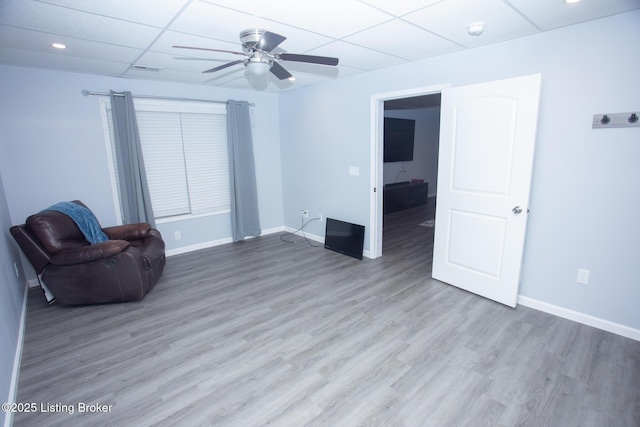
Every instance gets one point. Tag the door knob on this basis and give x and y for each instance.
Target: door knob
(516, 210)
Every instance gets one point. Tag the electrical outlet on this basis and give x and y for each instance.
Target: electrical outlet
(321, 218)
(304, 213)
(583, 276)
(177, 235)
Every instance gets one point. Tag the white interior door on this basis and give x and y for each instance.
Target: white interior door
(487, 138)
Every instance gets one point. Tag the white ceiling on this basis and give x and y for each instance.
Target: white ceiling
(109, 37)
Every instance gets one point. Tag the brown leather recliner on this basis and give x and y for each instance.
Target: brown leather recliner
(123, 268)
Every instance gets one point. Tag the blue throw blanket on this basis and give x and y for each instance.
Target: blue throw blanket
(84, 218)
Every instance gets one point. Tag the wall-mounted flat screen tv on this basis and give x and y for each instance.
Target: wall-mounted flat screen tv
(399, 135)
(344, 237)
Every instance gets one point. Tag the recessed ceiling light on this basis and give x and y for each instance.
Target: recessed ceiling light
(58, 45)
(475, 28)
(571, 1)
(291, 79)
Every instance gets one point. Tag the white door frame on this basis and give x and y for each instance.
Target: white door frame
(376, 149)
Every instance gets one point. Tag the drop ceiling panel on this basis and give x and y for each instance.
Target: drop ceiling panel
(403, 39)
(303, 79)
(355, 56)
(214, 22)
(333, 18)
(398, 8)
(167, 75)
(240, 82)
(451, 18)
(41, 42)
(550, 14)
(150, 12)
(174, 62)
(67, 22)
(52, 61)
(168, 39)
(345, 71)
(207, 20)
(316, 70)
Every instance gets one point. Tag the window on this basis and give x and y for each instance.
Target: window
(184, 145)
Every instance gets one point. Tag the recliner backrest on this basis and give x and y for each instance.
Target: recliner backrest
(32, 248)
(56, 231)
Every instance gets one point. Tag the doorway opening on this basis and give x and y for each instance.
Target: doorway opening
(404, 193)
(487, 141)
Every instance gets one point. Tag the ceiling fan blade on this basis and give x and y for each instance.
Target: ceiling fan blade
(222, 67)
(324, 60)
(279, 71)
(210, 50)
(269, 41)
(194, 58)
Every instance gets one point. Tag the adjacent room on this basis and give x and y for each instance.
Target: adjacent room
(320, 213)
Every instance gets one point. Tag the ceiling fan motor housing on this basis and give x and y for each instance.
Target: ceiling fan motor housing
(249, 39)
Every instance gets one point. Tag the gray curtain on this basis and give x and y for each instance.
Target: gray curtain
(245, 219)
(134, 190)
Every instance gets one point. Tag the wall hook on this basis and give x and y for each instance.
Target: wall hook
(615, 120)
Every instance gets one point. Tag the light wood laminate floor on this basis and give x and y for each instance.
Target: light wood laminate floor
(264, 332)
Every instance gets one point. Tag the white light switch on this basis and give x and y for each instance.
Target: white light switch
(354, 171)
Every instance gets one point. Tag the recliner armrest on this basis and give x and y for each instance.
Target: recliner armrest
(89, 253)
(128, 231)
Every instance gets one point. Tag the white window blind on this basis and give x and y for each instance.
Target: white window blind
(207, 162)
(184, 146)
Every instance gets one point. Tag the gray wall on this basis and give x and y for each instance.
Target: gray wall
(55, 148)
(11, 296)
(585, 184)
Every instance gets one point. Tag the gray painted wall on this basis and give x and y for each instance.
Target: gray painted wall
(11, 296)
(585, 184)
(55, 147)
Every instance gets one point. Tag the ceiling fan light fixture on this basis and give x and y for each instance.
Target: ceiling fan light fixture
(258, 68)
(475, 28)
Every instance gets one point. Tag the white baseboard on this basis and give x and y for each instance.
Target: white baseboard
(13, 388)
(311, 236)
(212, 243)
(585, 319)
(204, 245)
(320, 239)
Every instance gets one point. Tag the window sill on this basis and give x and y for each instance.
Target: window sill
(189, 216)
